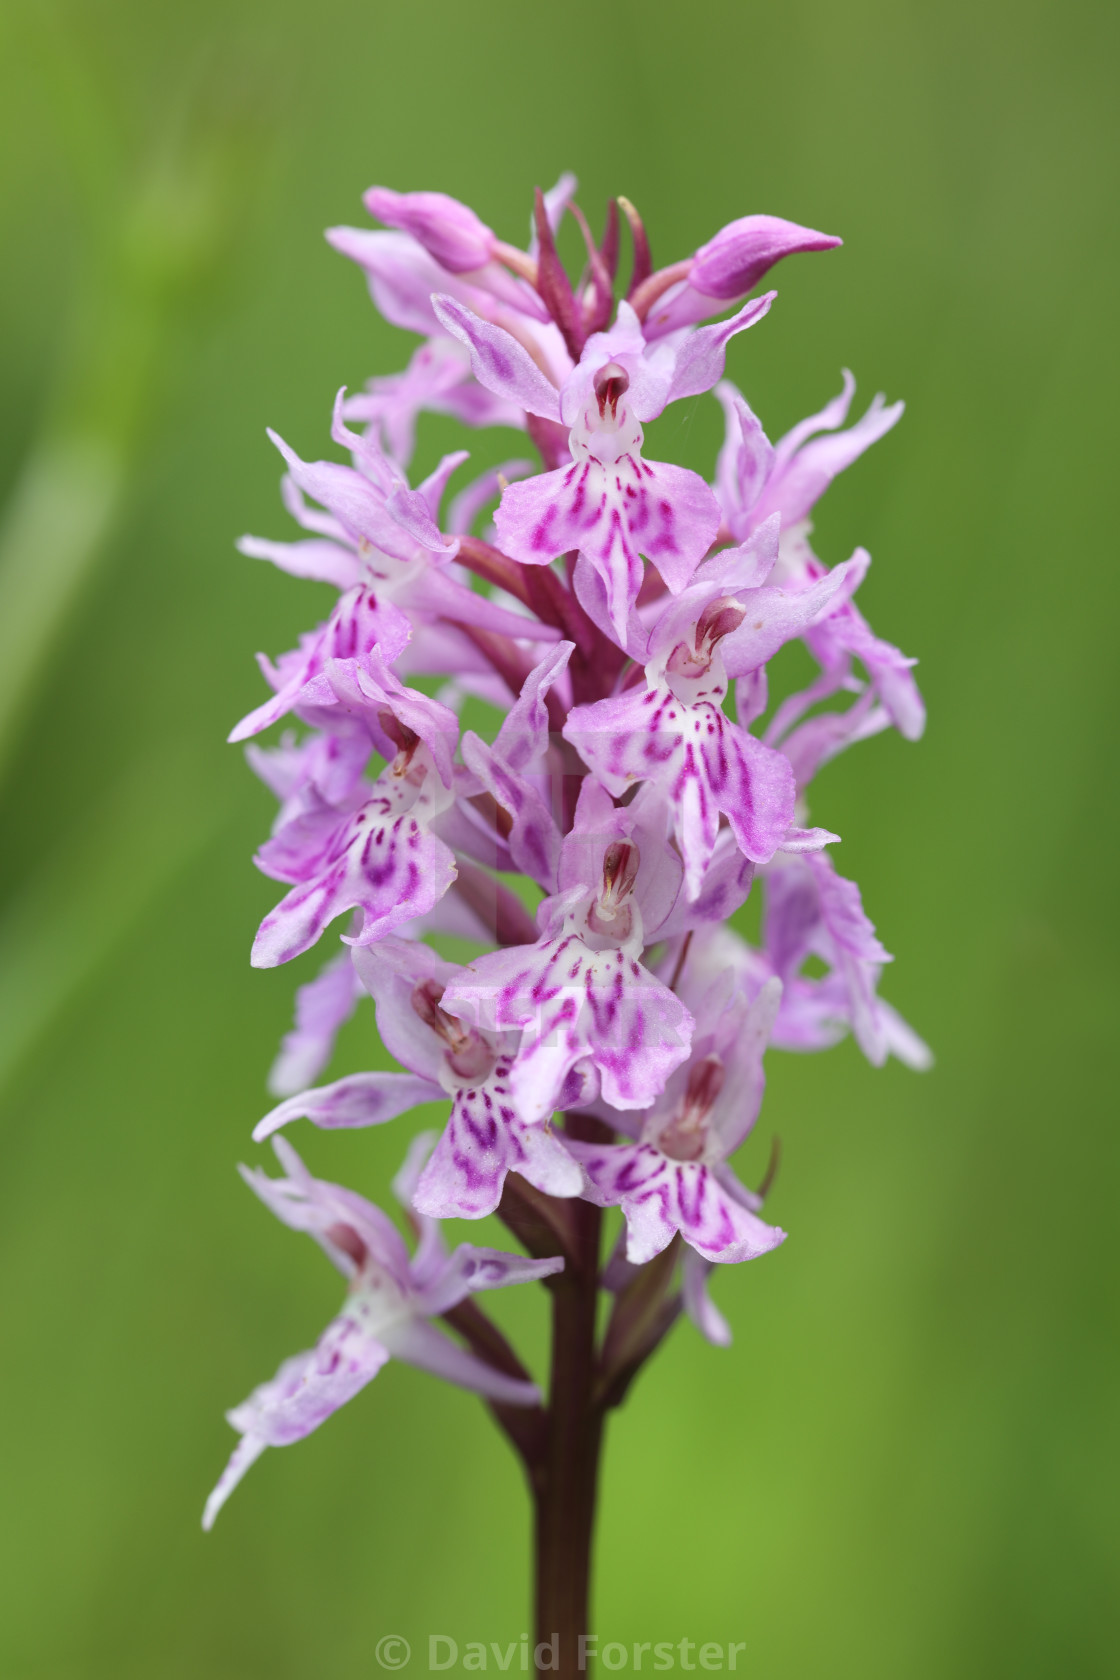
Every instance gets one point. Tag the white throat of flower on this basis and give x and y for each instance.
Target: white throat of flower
(606, 429)
(376, 1300)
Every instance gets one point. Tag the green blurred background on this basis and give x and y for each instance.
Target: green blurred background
(906, 1465)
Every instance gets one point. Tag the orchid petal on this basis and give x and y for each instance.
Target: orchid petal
(361, 1099)
(499, 362)
(701, 358)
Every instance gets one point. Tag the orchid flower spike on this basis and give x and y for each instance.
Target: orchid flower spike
(528, 768)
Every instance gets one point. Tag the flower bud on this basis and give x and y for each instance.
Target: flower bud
(732, 264)
(449, 231)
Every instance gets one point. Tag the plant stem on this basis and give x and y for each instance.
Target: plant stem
(565, 1495)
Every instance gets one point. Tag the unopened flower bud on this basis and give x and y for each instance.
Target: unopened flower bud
(449, 231)
(732, 264)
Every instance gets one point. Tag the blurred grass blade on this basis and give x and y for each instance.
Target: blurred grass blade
(90, 892)
(53, 527)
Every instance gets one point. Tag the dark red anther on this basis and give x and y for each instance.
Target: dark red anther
(425, 1001)
(705, 1083)
(719, 619)
(345, 1237)
(643, 264)
(403, 738)
(620, 870)
(468, 1054)
(553, 285)
(611, 382)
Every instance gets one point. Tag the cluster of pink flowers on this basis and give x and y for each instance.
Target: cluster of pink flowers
(607, 612)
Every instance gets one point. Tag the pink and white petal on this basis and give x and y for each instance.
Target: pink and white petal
(301, 1396)
(753, 786)
(612, 514)
(534, 839)
(623, 739)
(358, 623)
(421, 1344)
(470, 1269)
(776, 616)
(523, 736)
(799, 840)
(431, 489)
(469, 503)
(674, 521)
(746, 457)
(748, 1029)
(361, 1099)
(546, 1163)
(395, 873)
(484, 1140)
(632, 1176)
(637, 1031)
(591, 593)
(241, 1460)
(434, 592)
(698, 1304)
(550, 1051)
(358, 505)
(724, 888)
(798, 481)
(466, 1173)
(402, 276)
(498, 361)
(696, 820)
(391, 971)
(542, 517)
(323, 1006)
(712, 1221)
(315, 557)
(833, 414)
(308, 1388)
(702, 356)
(902, 1041)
